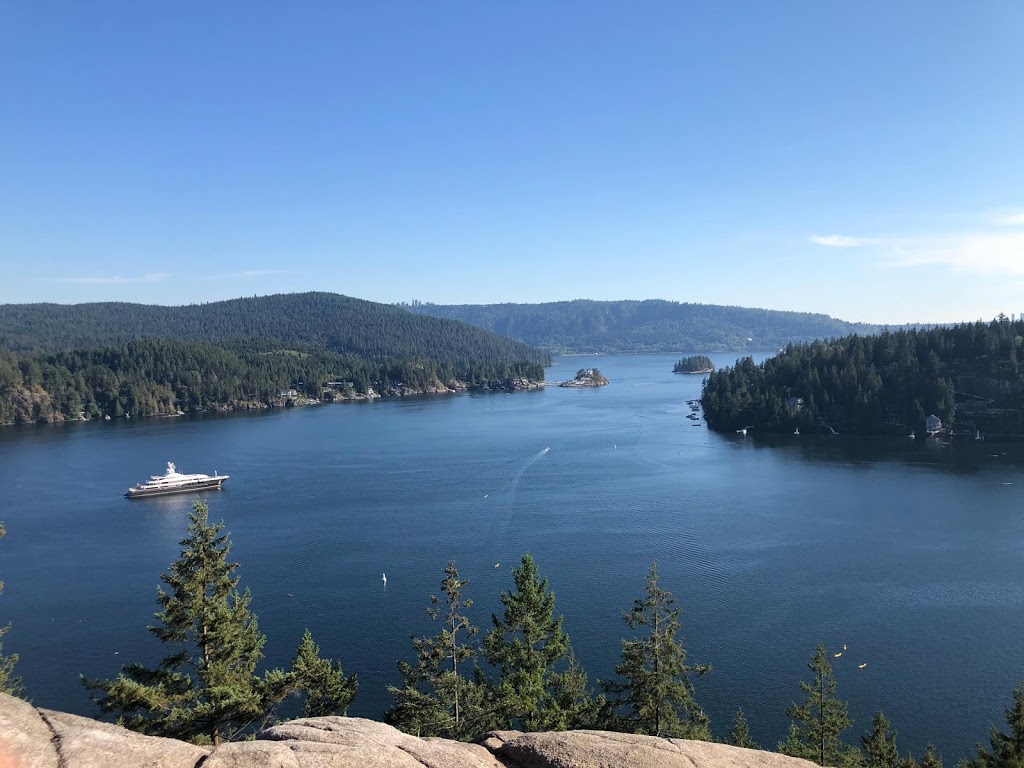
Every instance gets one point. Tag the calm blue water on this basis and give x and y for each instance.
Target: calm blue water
(909, 553)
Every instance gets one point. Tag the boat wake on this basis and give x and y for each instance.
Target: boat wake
(508, 494)
(519, 475)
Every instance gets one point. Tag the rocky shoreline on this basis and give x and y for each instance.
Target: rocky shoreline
(585, 377)
(38, 399)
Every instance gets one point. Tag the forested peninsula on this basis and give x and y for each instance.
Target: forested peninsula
(60, 362)
(593, 327)
(967, 376)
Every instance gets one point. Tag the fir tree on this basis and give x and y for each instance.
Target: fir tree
(205, 689)
(437, 698)
(525, 645)
(1007, 749)
(9, 683)
(739, 736)
(655, 695)
(880, 744)
(328, 691)
(817, 724)
(571, 704)
(930, 758)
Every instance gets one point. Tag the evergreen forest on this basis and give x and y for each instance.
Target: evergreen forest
(968, 376)
(609, 327)
(694, 364)
(84, 361)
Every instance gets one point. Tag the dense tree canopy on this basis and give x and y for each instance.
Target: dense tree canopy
(585, 327)
(968, 376)
(319, 320)
(694, 364)
(157, 360)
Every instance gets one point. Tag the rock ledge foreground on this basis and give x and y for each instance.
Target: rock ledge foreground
(41, 738)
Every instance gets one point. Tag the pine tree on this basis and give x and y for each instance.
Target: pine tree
(525, 645)
(437, 698)
(205, 689)
(1007, 749)
(328, 691)
(817, 724)
(880, 744)
(571, 704)
(739, 736)
(9, 683)
(930, 759)
(655, 695)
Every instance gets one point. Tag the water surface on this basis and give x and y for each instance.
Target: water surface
(907, 552)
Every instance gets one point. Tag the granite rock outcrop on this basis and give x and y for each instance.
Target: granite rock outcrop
(40, 738)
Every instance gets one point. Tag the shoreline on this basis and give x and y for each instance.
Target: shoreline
(519, 385)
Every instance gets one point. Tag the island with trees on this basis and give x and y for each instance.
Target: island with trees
(586, 377)
(85, 361)
(967, 379)
(694, 364)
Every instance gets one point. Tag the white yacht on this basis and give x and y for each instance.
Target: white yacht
(173, 481)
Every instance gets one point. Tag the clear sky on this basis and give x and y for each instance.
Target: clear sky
(863, 159)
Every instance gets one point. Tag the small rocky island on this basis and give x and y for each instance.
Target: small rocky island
(586, 377)
(694, 364)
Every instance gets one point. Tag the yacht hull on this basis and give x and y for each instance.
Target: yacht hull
(214, 483)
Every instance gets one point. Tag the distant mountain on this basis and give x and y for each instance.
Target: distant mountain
(583, 326)
(325, 321)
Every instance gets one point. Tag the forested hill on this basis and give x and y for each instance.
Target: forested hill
(585, 326)
(968, 375)
(90, 360)
(320, 320)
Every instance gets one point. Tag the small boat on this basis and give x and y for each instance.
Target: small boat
(173, 481)
(796, 432)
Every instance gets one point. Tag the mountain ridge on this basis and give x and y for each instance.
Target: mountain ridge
(60, 362)
(586, 326)
(329, 321)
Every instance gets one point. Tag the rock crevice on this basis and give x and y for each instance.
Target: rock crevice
(54, 739)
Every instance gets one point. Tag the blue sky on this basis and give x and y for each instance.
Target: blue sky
(860, 159)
